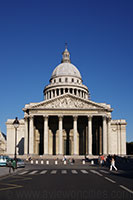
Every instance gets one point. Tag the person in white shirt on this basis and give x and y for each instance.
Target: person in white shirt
(113, 164)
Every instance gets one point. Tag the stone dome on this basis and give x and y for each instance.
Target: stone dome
(66, 69)
(66, 78)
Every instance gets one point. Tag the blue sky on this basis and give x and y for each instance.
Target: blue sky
(100, 39)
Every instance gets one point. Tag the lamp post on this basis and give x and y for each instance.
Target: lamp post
(16, 125)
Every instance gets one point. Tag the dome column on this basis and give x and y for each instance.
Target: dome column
(51, 94)
(73, 91)
(55, 93)
(48, 95)
(59, 91)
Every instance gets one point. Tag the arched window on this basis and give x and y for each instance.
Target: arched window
(72, 80)
(59, 79)
(66, 79)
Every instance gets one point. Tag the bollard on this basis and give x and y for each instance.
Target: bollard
(56, 162)
(47, 162)
(42, 162)
(64, 162)
(83, 162)
(31, 162)
(92, 162)
(36, 161)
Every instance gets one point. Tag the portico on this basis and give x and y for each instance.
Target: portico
(66, 134)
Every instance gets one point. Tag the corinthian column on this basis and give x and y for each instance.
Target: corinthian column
(104, 135)
(31, 136)
(75, 134)
(60, 135)
(45, 135)
(109, 138)
(26, 136)
(90, 135)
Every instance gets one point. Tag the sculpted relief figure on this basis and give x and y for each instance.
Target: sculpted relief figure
(68, 103)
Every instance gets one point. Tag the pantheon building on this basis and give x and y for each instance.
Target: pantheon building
(67, 121)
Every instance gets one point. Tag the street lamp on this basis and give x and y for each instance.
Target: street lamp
(16, 125)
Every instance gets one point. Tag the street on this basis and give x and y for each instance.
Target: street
(56, 182)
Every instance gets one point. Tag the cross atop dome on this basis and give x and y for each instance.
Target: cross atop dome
(66, 55)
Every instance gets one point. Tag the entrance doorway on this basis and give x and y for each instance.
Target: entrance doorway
(97, 135)
(67, 126)
(67, 147)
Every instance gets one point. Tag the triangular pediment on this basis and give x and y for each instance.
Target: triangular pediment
(68, 101)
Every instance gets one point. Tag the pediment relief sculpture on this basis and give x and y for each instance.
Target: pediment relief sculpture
(68, 103)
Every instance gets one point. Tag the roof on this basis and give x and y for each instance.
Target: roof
(66, 69)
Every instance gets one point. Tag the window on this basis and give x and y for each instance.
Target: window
(66, 79)
(59, 79)
(72, 80)
(66, 90)
(54, 80)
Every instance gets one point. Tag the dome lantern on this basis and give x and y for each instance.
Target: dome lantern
(66, 56)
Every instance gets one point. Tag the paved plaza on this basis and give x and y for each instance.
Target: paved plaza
(37, 181)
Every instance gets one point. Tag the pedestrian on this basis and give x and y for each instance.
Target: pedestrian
(10, 165)
(14, 165)
(102, 160)
(113, 164)
(73, 161)
(99, 160)
(64, 158)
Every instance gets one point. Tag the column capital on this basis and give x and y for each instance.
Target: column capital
(89, 117)
(109, 118)
(26, 117)
(75, 117)
(60, 117)
(31, 116)
(45, 116)
(104, 117)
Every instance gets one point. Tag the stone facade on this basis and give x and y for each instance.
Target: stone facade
(2, 143)
(67, 121)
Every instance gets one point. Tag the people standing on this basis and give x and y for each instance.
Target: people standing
(64, 158)
(102, 160)
(10, 165)
(113, 164)
(14, 165)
